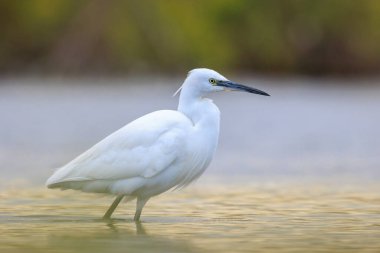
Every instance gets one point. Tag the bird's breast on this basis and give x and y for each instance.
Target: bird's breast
(202, 144)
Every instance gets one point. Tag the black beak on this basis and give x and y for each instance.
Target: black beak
(239, 87)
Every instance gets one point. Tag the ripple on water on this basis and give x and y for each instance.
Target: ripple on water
(281, 219)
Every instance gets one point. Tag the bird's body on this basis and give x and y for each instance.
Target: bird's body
(152, 154)
(164, 143)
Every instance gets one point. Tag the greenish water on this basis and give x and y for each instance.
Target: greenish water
(296, 172)
(276, 218)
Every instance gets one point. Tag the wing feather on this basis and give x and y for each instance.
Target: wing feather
(143, 148)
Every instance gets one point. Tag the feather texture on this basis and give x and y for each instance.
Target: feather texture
(130, 152)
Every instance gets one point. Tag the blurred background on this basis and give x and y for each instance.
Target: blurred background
(71, 72)
(87, 37)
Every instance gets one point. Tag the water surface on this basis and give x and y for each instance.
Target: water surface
(253, 218)
(296, 172)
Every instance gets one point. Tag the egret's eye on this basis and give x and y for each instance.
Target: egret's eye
(212, 81)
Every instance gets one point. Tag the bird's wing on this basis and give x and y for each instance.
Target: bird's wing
(143, 148)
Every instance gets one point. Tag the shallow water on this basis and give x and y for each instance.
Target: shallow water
(296, 172)
(256, 218)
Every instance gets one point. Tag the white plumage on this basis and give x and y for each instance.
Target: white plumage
(154, 153)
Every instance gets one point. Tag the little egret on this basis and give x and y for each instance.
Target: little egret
(162, 150)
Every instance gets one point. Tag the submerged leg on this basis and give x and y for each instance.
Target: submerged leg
(139, 206)
(112, 208)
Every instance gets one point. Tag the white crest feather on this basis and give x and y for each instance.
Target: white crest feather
(179, 89)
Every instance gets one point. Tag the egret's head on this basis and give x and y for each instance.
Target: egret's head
(204, 81)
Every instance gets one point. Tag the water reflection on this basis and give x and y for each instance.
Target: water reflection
(117, 235)
(112, 224)
(234, 219)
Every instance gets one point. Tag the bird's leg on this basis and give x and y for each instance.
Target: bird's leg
(140, 230)
(139, 206)
(112, 208)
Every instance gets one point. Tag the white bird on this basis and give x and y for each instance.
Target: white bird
(161, 150)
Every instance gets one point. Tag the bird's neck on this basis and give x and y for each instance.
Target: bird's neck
(200, 110)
